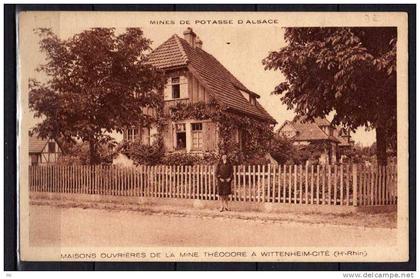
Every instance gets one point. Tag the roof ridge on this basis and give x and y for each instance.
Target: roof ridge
(181, 48)
(313, 122)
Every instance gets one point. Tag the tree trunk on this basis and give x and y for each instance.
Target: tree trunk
(381, 146)
(93, 156)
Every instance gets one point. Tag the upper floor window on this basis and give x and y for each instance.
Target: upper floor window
(51, 147)
(176, 90)
(252, 100)
(330, 131)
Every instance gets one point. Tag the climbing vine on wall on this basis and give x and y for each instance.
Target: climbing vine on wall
(256, 134)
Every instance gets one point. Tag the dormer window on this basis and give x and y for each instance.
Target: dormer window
(252, 100)
(249, 97)
(176, 92)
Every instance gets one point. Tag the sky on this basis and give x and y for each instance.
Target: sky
(239, 47)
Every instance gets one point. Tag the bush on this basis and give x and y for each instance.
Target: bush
(255, 160)
(180, 159)
(283, 151)
(143, 154)
(188, 159)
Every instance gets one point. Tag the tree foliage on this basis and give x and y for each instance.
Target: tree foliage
(284, 152)
(79, 154)
(97, 82)
(351, 71)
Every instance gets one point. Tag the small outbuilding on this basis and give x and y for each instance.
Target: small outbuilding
(43, 151)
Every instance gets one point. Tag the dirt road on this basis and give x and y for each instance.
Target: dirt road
(51, 226)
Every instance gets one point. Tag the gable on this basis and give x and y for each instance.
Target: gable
(211, 74)
(168, 55)
(39, 145)
(287, 130)
(36, 144)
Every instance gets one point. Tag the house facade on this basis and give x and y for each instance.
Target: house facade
(196, 77)
(43, 151)
(334, 141)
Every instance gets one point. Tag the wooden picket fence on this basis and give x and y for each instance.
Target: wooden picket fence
(343, 185)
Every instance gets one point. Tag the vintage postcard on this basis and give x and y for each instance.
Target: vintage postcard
(213, 136)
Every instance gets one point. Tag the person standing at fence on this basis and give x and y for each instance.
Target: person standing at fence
(224, 174)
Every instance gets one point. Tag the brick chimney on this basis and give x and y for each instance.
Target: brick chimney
(190, 36)
(198, 43)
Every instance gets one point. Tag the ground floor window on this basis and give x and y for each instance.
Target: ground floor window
(197, 136)
(181, 136)
(34, 159)
(132, 134)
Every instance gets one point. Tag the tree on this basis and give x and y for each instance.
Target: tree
(351, 71)
(98, 82)
(282, 150)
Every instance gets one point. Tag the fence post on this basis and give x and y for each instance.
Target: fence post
(354, 185)
(268, 184)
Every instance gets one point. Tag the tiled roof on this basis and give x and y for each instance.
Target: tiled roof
(310, 130)
(168, 55)
(36, 144)
(322, 121)
(221, 84)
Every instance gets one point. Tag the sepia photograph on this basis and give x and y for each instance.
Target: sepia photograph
(213, 136)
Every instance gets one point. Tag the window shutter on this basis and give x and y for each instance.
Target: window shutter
(167, 91)
(168, 137)
(209, 136)
(145, 136)
(125, 134)
(153, 134)
(183, 90)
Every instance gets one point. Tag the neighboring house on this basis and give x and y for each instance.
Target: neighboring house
(43, 151)
(345, 144)
(320, 131)
(193, 75)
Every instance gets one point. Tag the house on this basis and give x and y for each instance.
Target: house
(343, 135)
(333, 140)
(195, 76)
(43, 151)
